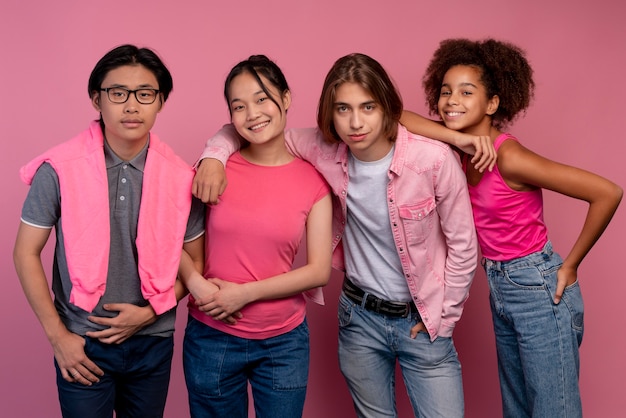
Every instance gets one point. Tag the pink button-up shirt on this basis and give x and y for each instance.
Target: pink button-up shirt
(429, 213)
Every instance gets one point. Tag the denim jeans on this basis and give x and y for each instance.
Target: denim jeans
(135, 382)
(370, 344)
(218, 367)
(537, 341)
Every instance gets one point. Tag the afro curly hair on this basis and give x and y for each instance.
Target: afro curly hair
(504, 69)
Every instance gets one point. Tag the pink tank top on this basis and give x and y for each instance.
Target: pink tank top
(509, 223)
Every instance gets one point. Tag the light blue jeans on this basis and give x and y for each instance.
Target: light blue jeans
(537, 341)
(370, 344)
(218, 367)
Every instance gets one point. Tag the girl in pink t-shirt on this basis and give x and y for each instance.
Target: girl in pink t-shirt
(479, 87)
(247, 314)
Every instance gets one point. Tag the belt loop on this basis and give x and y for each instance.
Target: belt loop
(364, 301)
(547, 249)
(492, 264)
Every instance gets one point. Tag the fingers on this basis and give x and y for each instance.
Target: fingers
(82, 374)
(484, 159)
(417, 328)
(229, 320)
(214, 195)
(479, 161)
(560, 288)
(110, 335)
(564, 278)
(101, 320)
(220, 314)
(209, 182)
(485, 154)
(210, 195)
(208, 192)
(195, 189)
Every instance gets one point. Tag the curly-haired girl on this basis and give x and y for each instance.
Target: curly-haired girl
(480, 87)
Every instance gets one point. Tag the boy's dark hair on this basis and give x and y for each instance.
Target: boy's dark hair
(257, 65)
(504, 71)
(131, 55)
(369, 74)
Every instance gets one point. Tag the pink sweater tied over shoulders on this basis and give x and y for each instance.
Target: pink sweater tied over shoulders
(164, 210)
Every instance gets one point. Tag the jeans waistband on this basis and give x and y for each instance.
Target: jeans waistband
(374, 304)
(527, 260)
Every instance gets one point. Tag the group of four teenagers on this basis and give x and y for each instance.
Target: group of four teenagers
(393, 210)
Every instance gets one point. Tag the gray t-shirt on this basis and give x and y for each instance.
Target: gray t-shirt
(42, 208)
(372, 261)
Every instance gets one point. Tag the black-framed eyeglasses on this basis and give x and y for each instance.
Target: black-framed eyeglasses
(120, 95)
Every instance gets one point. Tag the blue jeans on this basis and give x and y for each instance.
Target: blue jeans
(370, 344)
(135, 382)
(537, 341)
(218, 367)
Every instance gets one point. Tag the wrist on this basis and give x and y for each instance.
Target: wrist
(459, 139)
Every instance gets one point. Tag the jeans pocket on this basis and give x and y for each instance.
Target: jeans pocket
(289, 359)
(573, 299)
(528, 277)
(344, 310)
(204, 353)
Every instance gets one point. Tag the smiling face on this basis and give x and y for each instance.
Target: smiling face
(127, 125)
(463, 103)
(358, 120)
(255, 116)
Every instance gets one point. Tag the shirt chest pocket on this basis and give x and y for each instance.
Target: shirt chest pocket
(417, 220)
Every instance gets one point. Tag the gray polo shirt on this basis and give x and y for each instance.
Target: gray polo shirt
(42, 208)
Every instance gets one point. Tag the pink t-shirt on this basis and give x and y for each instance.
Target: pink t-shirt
(509, 223)
(254, 233)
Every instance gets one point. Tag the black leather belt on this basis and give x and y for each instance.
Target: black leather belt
(374, 304)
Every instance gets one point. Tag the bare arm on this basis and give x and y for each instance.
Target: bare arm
(316, 272)
(523, 168)
(481, 147)
(191, 261)
(190, 274)
(68, 347)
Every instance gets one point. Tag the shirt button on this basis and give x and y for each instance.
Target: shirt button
(125, 166)
(123, 180)
(122, 198)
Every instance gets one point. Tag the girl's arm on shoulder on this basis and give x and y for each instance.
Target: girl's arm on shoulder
(522, 168)
(306, 143)
(210, 180)
(481, 147)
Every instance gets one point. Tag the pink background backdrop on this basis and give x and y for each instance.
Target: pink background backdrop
(576, 47)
